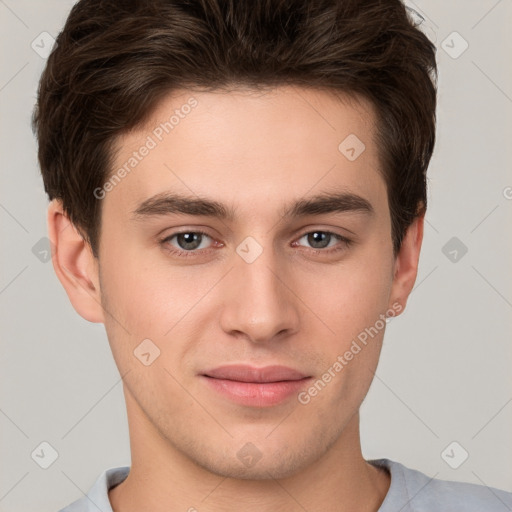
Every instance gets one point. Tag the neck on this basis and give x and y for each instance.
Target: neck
(162, 478)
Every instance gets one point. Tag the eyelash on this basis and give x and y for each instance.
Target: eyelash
(346, 243)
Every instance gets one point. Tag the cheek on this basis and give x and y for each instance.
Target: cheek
(348, 297)
(352, 320)
(154, 299)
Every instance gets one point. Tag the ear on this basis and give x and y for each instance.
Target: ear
(75, 265)
(406, 263)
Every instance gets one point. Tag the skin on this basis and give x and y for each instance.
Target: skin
(256, 153)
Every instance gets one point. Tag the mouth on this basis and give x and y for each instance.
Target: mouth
(255, 387)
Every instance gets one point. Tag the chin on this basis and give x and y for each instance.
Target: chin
(270, 470)
(250, 463)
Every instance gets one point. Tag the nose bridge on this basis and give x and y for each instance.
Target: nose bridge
(258, 303)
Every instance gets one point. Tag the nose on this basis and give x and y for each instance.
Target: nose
(259, 301)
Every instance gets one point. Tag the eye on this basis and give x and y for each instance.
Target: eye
(321, 240)
(186, 242)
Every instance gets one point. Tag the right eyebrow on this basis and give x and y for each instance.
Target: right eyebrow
(167, 203)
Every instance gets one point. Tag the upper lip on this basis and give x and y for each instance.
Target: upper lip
(246, 373)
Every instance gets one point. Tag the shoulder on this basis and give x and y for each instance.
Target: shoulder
(413, 491)
(97, 496)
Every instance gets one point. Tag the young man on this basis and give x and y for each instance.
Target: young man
(238, 192)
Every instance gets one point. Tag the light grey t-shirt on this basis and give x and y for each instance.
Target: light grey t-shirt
(410, 491)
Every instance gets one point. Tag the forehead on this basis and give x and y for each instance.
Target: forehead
(252, 149)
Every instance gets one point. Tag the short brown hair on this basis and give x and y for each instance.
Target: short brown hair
(115, 60)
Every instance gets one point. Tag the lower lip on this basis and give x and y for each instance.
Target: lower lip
(257, 394)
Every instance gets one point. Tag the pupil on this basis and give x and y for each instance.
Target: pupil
(189, 240)
(318, 239)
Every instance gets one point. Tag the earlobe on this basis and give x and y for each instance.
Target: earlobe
(406, 263)
(75, 265)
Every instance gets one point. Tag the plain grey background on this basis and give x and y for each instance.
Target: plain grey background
(443, 387)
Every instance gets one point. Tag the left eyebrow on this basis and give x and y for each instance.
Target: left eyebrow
(167, 204)
(329, 203)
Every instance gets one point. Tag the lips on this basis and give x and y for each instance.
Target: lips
(255, 387)
(245, 373)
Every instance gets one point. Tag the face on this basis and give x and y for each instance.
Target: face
(245, 239)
